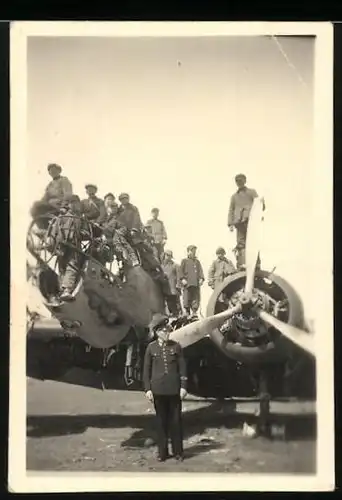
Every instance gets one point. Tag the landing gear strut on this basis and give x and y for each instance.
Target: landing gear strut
(263, 425)
(132, 364)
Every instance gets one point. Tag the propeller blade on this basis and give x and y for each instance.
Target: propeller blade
(253, 242)
(193, 332)
(296, 335)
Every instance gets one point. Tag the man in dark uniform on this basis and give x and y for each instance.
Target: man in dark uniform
(165, 381)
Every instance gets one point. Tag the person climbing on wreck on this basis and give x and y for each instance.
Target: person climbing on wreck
(115, 234)
(139, 239)
(56, 193)
(64, 238)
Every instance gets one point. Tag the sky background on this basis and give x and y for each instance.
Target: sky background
(171, 121)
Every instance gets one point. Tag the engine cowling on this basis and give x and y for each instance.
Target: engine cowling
(273, 291)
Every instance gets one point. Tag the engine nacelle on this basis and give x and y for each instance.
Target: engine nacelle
(277, 297)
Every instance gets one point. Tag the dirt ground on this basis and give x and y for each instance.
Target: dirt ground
(74, 428)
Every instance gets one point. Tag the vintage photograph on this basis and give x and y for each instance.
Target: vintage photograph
(170, 206)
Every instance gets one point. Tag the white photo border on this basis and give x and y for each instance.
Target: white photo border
(19, 479)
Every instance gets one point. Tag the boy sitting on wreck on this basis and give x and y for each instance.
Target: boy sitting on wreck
(115, 233)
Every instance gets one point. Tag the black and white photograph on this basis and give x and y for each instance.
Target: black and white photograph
(171, 198)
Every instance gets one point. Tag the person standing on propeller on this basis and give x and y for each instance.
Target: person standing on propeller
(240, 206)
(165, 382)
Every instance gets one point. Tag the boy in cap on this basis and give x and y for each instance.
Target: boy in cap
(92, 208)
(109, 200)
(240, 206)
(192, 278)
(165, 380)
(116, 233)
(129, 214)
(171, 270)
(58, 189)
(156, 229)
(220, 269)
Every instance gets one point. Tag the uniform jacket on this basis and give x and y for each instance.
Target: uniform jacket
(171, 270)
(157, 230)
(58, 189)
(164, 368)
(93, 208)
(219, 270)
(191, 270)
(240, 205)
(130, 217)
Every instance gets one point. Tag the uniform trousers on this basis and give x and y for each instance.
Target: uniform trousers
(169, 423)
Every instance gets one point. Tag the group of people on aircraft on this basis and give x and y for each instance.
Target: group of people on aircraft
(120, 227)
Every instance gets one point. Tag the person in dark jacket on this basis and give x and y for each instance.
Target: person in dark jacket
(108, 202)
(93, 207)
(171, 270)
(116, 234)
(219, 270)
(165, 383)
(192, 278)
(129, 214)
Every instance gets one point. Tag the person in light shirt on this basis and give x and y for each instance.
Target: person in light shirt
(56, 193)
(239, 209)
(156, 228)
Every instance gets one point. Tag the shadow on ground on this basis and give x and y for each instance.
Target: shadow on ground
(298, 427)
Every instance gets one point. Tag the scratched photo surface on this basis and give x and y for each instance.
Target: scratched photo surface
(171, 121)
